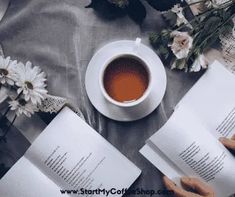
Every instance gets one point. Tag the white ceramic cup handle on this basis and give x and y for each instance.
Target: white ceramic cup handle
(137, 44)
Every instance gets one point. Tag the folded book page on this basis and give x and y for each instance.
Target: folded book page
(196, 152)
(187, 145)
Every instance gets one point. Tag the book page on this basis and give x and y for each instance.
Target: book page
(212, 99)
(18, 182)
(75, 156)
(196, 151)
(151, 152)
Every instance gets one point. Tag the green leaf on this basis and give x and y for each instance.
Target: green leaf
(165, 37)
(197, 51)
(180, 64)
(165, 33)
(166, 55)
(154, 37)
(211, 25)
(226, 15)
(226, 28)
(163, 50)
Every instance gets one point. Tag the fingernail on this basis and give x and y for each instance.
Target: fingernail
(222, 139)
(185, 179)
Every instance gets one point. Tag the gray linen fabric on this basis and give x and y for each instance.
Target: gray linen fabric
(61, 36)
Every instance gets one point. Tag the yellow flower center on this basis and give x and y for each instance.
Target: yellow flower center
(29, 85)
(22, 102)
(3, 72)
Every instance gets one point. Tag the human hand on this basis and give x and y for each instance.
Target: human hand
(229, 143)
(200, 188)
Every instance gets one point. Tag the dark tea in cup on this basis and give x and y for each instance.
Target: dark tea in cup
(126, 79)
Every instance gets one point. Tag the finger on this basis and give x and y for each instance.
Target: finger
(178, 192)
(233, 137)
(197, 185)
(228, 143)
(168, 183)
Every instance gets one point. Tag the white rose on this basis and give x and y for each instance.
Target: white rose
(182, 43)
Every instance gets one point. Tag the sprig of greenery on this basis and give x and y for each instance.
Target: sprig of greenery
(207, 27)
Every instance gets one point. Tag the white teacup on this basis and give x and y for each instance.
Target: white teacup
(151, 93)
(131, 55)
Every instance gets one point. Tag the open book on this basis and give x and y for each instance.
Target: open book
(68, 155)
(187, 145)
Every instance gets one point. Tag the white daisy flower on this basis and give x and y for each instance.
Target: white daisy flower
(31, 82)
(21, 106)
(7, 70)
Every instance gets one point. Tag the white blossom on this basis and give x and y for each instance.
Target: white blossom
(178, 10)
(199, 63)
(31, 82)
(21, 106)
(7, 71)
(182, 43)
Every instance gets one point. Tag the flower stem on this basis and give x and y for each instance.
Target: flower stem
(4, 115)
(194, 19)
(18, 96)
(188, 5)
(8, 109)
(7, 129)
(12, 122)
(222, 6)
(194, 3)
(216, 30)
(208, 37)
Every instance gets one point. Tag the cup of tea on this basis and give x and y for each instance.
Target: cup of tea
(125, 80)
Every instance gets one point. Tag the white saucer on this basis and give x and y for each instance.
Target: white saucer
(121, 113)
